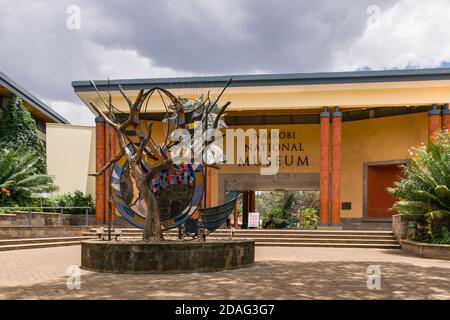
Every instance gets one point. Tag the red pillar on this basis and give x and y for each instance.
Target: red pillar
(336, 156)
(110, 152)
(113, 152)
(99, 163)
(208, 188)
(324, 166)
(251, 201)
(434, 121)
(446, 118)
(236, 215)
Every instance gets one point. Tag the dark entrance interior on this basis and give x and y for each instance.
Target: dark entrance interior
(379, 177)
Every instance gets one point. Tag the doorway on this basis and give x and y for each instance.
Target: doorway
(253, 185)
(377, 177)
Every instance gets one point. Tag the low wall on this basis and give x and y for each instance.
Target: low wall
(44, 219)
(426, 250)
(399, 226)
(166, 256)
(47, 219)
(21, 232)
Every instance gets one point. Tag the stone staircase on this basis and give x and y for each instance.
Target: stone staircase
(34, 243)
(295, 238)
(269, 238)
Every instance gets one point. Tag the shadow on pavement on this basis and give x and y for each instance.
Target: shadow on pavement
(264, 280)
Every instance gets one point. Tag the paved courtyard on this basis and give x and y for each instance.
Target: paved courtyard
(279, 273)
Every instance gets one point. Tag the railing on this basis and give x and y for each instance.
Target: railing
(86, 209)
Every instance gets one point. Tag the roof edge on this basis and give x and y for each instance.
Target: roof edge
(18, 90)
(270, 79)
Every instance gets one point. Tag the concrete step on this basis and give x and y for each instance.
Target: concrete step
(278, 237)
(319, 240)
(38, 245)
(274, 243)
(6, 242)
(290, 240)
(279, 232)
(380, 239)
(328, 245)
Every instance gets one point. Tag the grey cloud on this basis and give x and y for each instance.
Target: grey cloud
(205, 37)
(272, 36)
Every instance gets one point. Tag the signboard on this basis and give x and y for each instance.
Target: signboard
(253, 219)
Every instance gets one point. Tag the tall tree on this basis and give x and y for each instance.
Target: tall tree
(18, 130)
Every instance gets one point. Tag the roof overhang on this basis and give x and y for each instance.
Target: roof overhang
(40, 108)
(297, 91)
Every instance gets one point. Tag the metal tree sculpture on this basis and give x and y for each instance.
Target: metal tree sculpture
(146, 162)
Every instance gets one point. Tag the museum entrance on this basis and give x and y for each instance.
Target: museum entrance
(259, 192)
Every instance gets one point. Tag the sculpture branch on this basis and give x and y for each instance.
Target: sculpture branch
(130, 104)
(221, 112)
(103, 115)
(109, 164)
(138, 156)
(98, 93)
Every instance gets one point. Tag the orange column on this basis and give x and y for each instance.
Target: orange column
(236, 216)
(110, 151)
(324, 165)
(446, 118)
(99, 163)
(336, 156)
(434, 121)
(208, 188)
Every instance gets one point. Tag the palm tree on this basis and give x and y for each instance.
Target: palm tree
(424, 192)
(19, 178)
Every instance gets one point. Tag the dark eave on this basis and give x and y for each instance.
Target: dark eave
(270, 79)
(16, 89)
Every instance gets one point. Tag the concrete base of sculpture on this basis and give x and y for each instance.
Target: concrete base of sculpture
(166, 256)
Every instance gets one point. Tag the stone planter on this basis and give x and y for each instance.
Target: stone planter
(166, 256)
(426, 250)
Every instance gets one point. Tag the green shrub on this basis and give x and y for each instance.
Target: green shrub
(309, 218)
(424, 192)
(444, 236)
(71, 199)
(20, 180)
(18, 130)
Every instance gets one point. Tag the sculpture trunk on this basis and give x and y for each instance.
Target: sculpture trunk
(152, 226)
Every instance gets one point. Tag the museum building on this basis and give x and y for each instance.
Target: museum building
(341, 133)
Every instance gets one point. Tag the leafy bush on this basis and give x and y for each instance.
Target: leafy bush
(424, 192)
(18, 130)
(19, 178)
(309, 218)
(71, 199)
(444, 236)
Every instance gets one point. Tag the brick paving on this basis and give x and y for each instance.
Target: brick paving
(279, 273)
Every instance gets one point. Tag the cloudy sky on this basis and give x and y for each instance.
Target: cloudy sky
(45, 44)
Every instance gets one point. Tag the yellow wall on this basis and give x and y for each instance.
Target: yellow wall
(71, 152)
(71, 157)
(381, 139)
(373, 140)
(308, 135)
